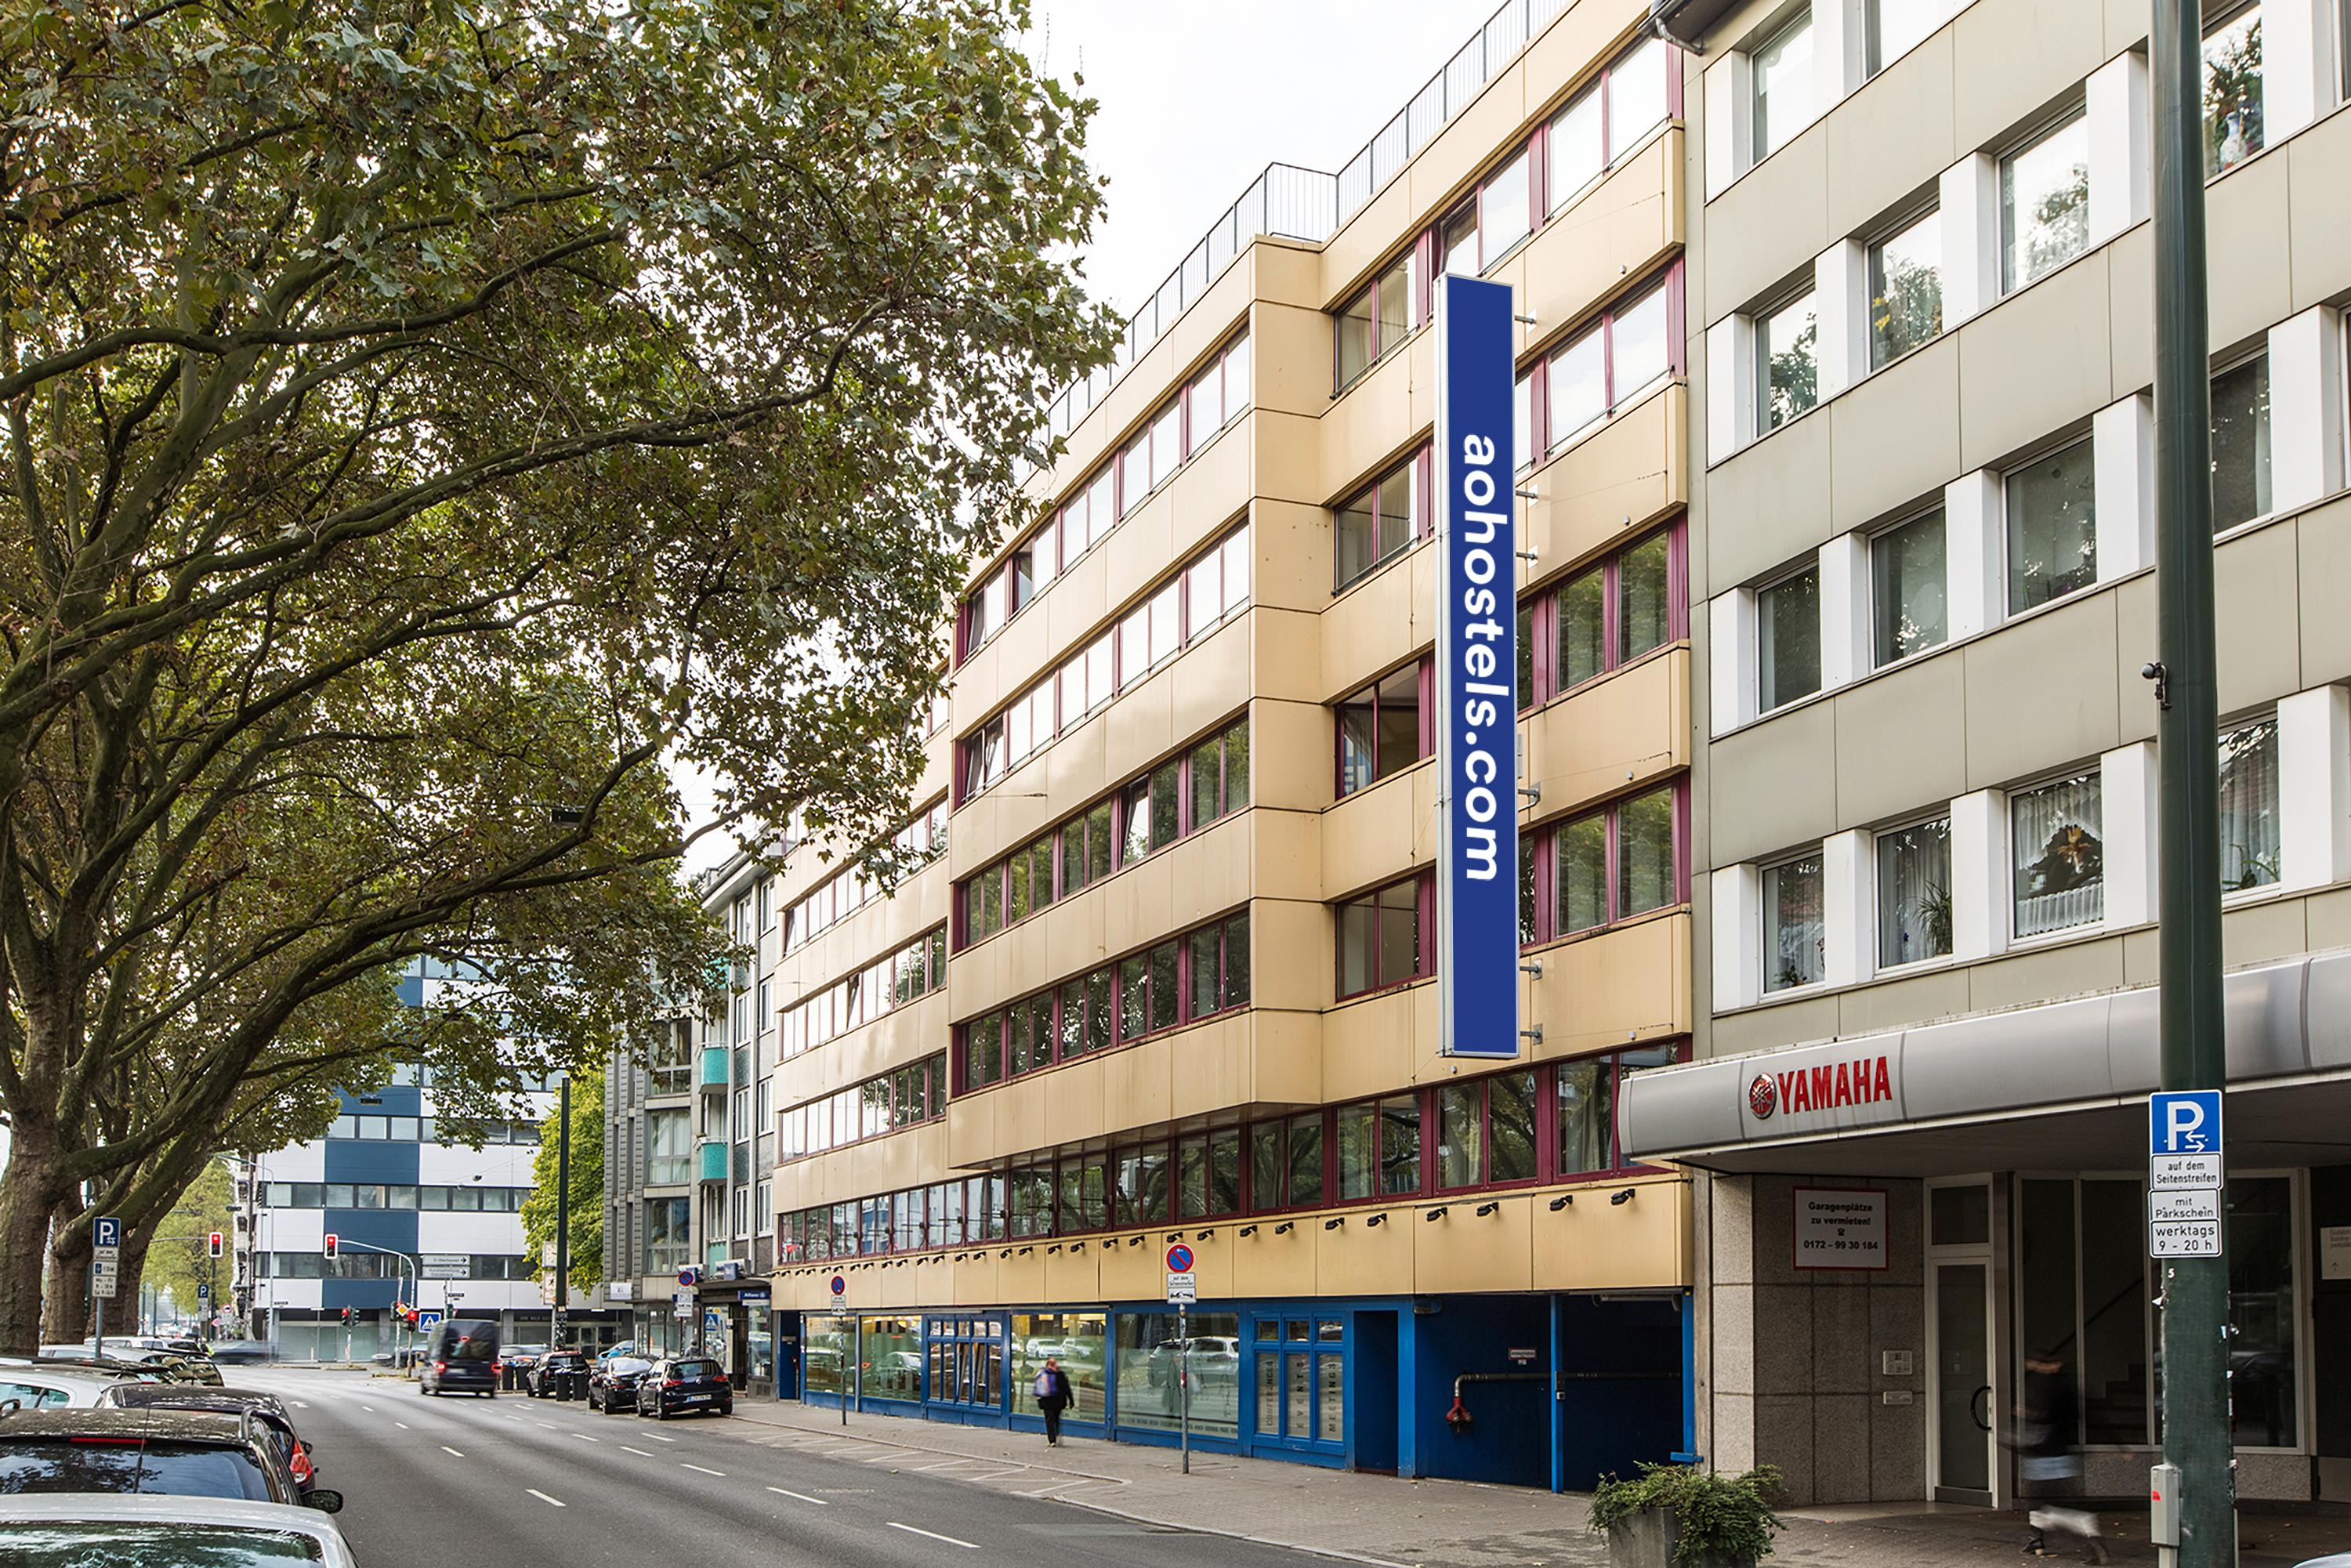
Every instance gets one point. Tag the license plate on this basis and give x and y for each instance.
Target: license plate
(697, 1399)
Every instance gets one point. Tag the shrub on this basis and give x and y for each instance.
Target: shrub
(1725, 1514)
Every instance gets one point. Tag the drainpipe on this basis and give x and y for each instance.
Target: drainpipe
(1458, 1417)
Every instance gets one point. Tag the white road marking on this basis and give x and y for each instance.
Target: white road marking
(647, 1453)
(364, 1406)
(801, 1496)
(586, 1438)
(549, 1425)
(1040, 1491)
(951, 1541)
(447, 1449)
(542, 1497)
(657, 1437)
(993, 1475)
(298, 1405)
(404, 1425)
(705, 1469)
(945, 1465)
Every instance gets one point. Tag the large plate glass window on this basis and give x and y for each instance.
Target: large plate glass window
(2241, 443)
(1908, 589)
(2044, 202)
(2232, 90)
(2059, 855)
(2249, 806)
(2053, 532)
(1783, 76)
(1914, 893)
(1905, 289)
(1796, 943)
(1788, 640)
(1787, 363)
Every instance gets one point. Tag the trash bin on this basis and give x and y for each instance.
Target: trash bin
(577, 1383)
(507, 1375)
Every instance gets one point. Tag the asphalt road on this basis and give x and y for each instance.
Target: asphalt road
(520, 1483)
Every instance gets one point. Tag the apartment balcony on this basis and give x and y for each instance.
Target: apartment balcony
(710, 1160)
(710, 1073)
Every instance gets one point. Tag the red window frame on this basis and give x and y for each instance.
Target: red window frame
(1420, 464)
(1539, 616)
(933, 1105)
(1542, 443)
(1540, 865)
(1425, 743)
(1424, 886)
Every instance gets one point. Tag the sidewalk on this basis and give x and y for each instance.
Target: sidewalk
(1383, 1521)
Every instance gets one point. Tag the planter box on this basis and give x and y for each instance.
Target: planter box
(1647, 1539)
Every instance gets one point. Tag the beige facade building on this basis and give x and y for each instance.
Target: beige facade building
(1166, 975)
(1921, 596)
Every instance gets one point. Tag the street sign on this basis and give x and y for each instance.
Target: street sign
(681, 1303)
(105, 1256)
(2186, 1168)
(840, 1287)
(447, 1269)
(1179, 1258)
(428, 1317)
(445, 1259)
(204, 1293)
(1183, 1289)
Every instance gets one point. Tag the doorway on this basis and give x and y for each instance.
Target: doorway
(1959, 1333)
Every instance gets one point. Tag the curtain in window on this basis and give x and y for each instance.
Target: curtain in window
(1584, 1115)
(2060, 855)
(1795, 951)
(1914, 893)
(2249, 806)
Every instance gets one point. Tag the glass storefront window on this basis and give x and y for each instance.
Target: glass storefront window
(824, 1353)
(892, 1359)
(1081, 1341)
(2262, 1356)
(1149, 1390)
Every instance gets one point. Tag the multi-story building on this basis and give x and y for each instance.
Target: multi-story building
(649, 1105)
(1169, 976)
(418, 1219)
(1921, 597)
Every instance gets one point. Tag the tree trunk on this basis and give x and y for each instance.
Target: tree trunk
(69, 1313)
(29, 1191)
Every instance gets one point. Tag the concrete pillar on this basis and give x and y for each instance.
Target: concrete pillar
(1738, 898)
(1730, 649)
(2306, 459)
(1840, 302)
(1970, 230)
(1979, 906)
(2315, 788)
(2115, 100)
(2127, 790)
(1849, 906)
(1844, 611)
(1974, 550)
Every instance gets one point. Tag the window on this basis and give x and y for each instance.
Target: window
(1603, 618)
(1582, 610)
(2044, 203)
(1215, 583)
(1380, 522)
(1219, 769)
(1379, 938)
(1783, 84)
(893, 980)
(1085, 848)
(1577, 145)
(1219, 395)
(2241, 443)
(1596, 373)
(906, 1097)
(1286, 1163)
(1505, 209)
(1606, 120)
(2053, 538)
(1611, 864)
(1905, 290)
(1581, 858)
(1896, 27)
(1795, 944)
(2262, 1318)
(667, 1234)
(1914, 893)
(2232, 90)
(2060, 862)
(1643, 598)
(1486, 1131)
(1787, 363)
(1378, 1144)
(1907, 589)
(1376, 321)
(1585, 1095)
(1639, 88)
(1646, 877)
(1208, 1174)
(1380, 729)
(1788, 640)
(1149, 808)
(1218, 958)
(669, 1148)
(2249, 806)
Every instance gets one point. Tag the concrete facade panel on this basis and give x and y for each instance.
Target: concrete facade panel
(2008, 685)
(1766, 228)
(2012, 58)
(1900, 740)
(1768, 504)
(1889, 140)
(1773, 785)
(2059, 327)
(1895, 438)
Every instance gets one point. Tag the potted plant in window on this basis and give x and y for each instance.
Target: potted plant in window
(1678, 1516)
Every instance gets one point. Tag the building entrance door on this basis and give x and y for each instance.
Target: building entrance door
(1959, 1333)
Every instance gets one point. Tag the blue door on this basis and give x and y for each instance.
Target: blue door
(1300, 1375)
(966, 1367)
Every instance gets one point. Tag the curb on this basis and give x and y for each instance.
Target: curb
(1338, 1553)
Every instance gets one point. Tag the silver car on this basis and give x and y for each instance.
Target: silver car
(58, 1530)
(27, 1384)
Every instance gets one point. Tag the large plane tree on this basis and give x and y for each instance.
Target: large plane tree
(424, 424)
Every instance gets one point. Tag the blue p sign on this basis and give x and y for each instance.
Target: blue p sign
(106, 1232)
(2184, 1122)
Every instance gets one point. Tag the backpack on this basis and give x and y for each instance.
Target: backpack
(1044, 1385)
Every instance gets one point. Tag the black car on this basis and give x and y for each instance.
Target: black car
(462, 1358)
(613, 1385)
(176, 1453)
(685, 1386)
(541, 1380)
(267, 1410)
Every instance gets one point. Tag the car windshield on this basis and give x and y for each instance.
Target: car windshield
(473, 1348)
(96, 1543)
(693, 1369)
(131, 1465)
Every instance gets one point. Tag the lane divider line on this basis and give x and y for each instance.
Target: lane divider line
(404, 1425)
(647, 1453)
(555, 1501)
(586, 1438)
(452, 1452)
(705, 1469)
(951, 1541)
(801, 1496)
(657, 1437)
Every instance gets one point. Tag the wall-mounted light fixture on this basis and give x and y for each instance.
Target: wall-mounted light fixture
(1617, 1198)
(1249, 1230)
(1561, 1201)
(1285, 1225)
(1376, 1219)
(1486, 1208)
(1202, 1235)
(1435, 1214)
(1335, 1224)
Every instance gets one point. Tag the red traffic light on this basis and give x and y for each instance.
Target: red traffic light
(215, 1243)
(331, 1240)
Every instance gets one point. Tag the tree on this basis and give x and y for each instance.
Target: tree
(420, 424)
(179, 1255)
(585, 1201)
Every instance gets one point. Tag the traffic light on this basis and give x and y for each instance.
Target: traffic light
(347, 1317)
(215, 1243)
(331, 1245)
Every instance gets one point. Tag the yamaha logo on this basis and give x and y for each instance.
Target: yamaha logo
(1762, 1097)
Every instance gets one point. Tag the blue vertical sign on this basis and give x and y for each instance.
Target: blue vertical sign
(1477, 674)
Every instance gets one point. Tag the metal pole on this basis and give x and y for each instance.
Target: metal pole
(1184, 1382)
(2195, 1299)
(562, 1209)
(98, 1327)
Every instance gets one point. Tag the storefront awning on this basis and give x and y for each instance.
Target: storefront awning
(2059, 1086)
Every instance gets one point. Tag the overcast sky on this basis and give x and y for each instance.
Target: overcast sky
(1196, 100)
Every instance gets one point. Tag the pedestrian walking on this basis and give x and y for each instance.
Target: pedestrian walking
(1054, 1396)
(2049, 1456)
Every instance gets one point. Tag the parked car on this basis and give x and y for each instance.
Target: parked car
(462, 1358)
(27, 1383)
(168, 1533)
(556, 1364)
(612, 1383)
(301, 1461)
(685, 1386)
(243, 1351)
(176, 1453)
